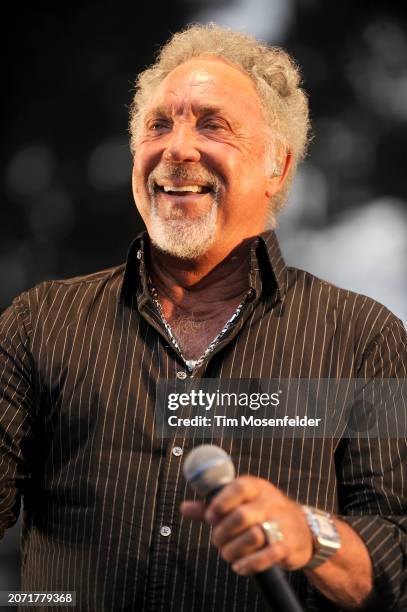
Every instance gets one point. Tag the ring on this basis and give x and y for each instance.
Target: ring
(272, 532)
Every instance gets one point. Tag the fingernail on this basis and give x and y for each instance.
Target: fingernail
(238, 568)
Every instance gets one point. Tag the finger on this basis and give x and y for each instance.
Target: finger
(260, 560)
(194, 510)
(243, 545)
(239, 520)
(239, 491)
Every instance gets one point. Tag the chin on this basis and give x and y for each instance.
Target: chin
(182, 237)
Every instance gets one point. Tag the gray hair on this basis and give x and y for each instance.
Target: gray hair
(275, 75)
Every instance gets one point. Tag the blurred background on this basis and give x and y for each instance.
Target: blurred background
(66, 201)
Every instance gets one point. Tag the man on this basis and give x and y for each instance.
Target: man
(218, 126)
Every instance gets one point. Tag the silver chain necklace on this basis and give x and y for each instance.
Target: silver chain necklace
(191, 363)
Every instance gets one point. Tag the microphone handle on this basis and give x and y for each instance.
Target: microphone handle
(277, 594)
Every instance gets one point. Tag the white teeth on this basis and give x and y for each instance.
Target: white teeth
(193, 188)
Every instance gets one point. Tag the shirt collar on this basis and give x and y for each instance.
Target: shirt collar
(273, 259)
(266, 259)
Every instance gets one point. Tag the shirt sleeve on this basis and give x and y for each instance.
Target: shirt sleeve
(16, 401)
(372, 481)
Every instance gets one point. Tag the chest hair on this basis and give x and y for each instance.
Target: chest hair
(194, 336)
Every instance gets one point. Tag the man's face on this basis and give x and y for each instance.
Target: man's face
(199, 177)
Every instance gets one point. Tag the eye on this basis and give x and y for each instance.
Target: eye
(158, 125)
(213, 125)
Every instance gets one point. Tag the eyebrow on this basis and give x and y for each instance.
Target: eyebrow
(200, 111)
(209, 110)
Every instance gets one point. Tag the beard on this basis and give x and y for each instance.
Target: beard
(176, 233)
(183, 237)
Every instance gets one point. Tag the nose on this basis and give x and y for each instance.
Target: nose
(181, 145)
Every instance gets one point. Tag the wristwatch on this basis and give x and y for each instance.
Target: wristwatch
(325, 535)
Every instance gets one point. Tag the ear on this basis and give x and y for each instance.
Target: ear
(281, 168)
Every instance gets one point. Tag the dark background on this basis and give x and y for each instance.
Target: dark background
(66, 201)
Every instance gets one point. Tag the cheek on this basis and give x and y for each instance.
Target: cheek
(136, 179)
(139, 179)
(243, 168)
(247, 178)
(145, 160)
(138, 167)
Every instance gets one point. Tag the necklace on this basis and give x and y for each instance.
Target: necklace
(194, 363)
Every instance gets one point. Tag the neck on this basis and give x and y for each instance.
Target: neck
(200, 288)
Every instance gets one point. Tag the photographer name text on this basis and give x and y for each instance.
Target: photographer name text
(242, 421)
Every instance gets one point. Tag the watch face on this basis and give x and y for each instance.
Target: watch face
(326, 530)
(330, 531)
(314, 524)
(328, 534)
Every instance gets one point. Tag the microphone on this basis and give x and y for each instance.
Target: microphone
(207, 469)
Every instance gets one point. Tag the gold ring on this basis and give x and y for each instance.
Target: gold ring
(272, 532)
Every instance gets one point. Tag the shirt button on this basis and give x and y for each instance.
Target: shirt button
(165, 531)
(182, 375)
(177, 451)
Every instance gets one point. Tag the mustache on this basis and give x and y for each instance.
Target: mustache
(182, 172)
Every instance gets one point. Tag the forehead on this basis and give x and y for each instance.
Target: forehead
(207, 81)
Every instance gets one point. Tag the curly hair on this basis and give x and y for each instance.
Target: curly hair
(274, 73)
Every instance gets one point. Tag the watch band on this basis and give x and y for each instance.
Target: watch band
(325, 535)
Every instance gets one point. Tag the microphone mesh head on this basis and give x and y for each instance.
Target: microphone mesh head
(208, 467)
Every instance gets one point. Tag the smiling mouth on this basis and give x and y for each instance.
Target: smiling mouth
(182, 190)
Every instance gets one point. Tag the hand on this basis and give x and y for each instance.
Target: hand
(236, 513)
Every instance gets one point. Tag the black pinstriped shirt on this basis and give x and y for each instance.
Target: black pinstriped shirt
(79, 361)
